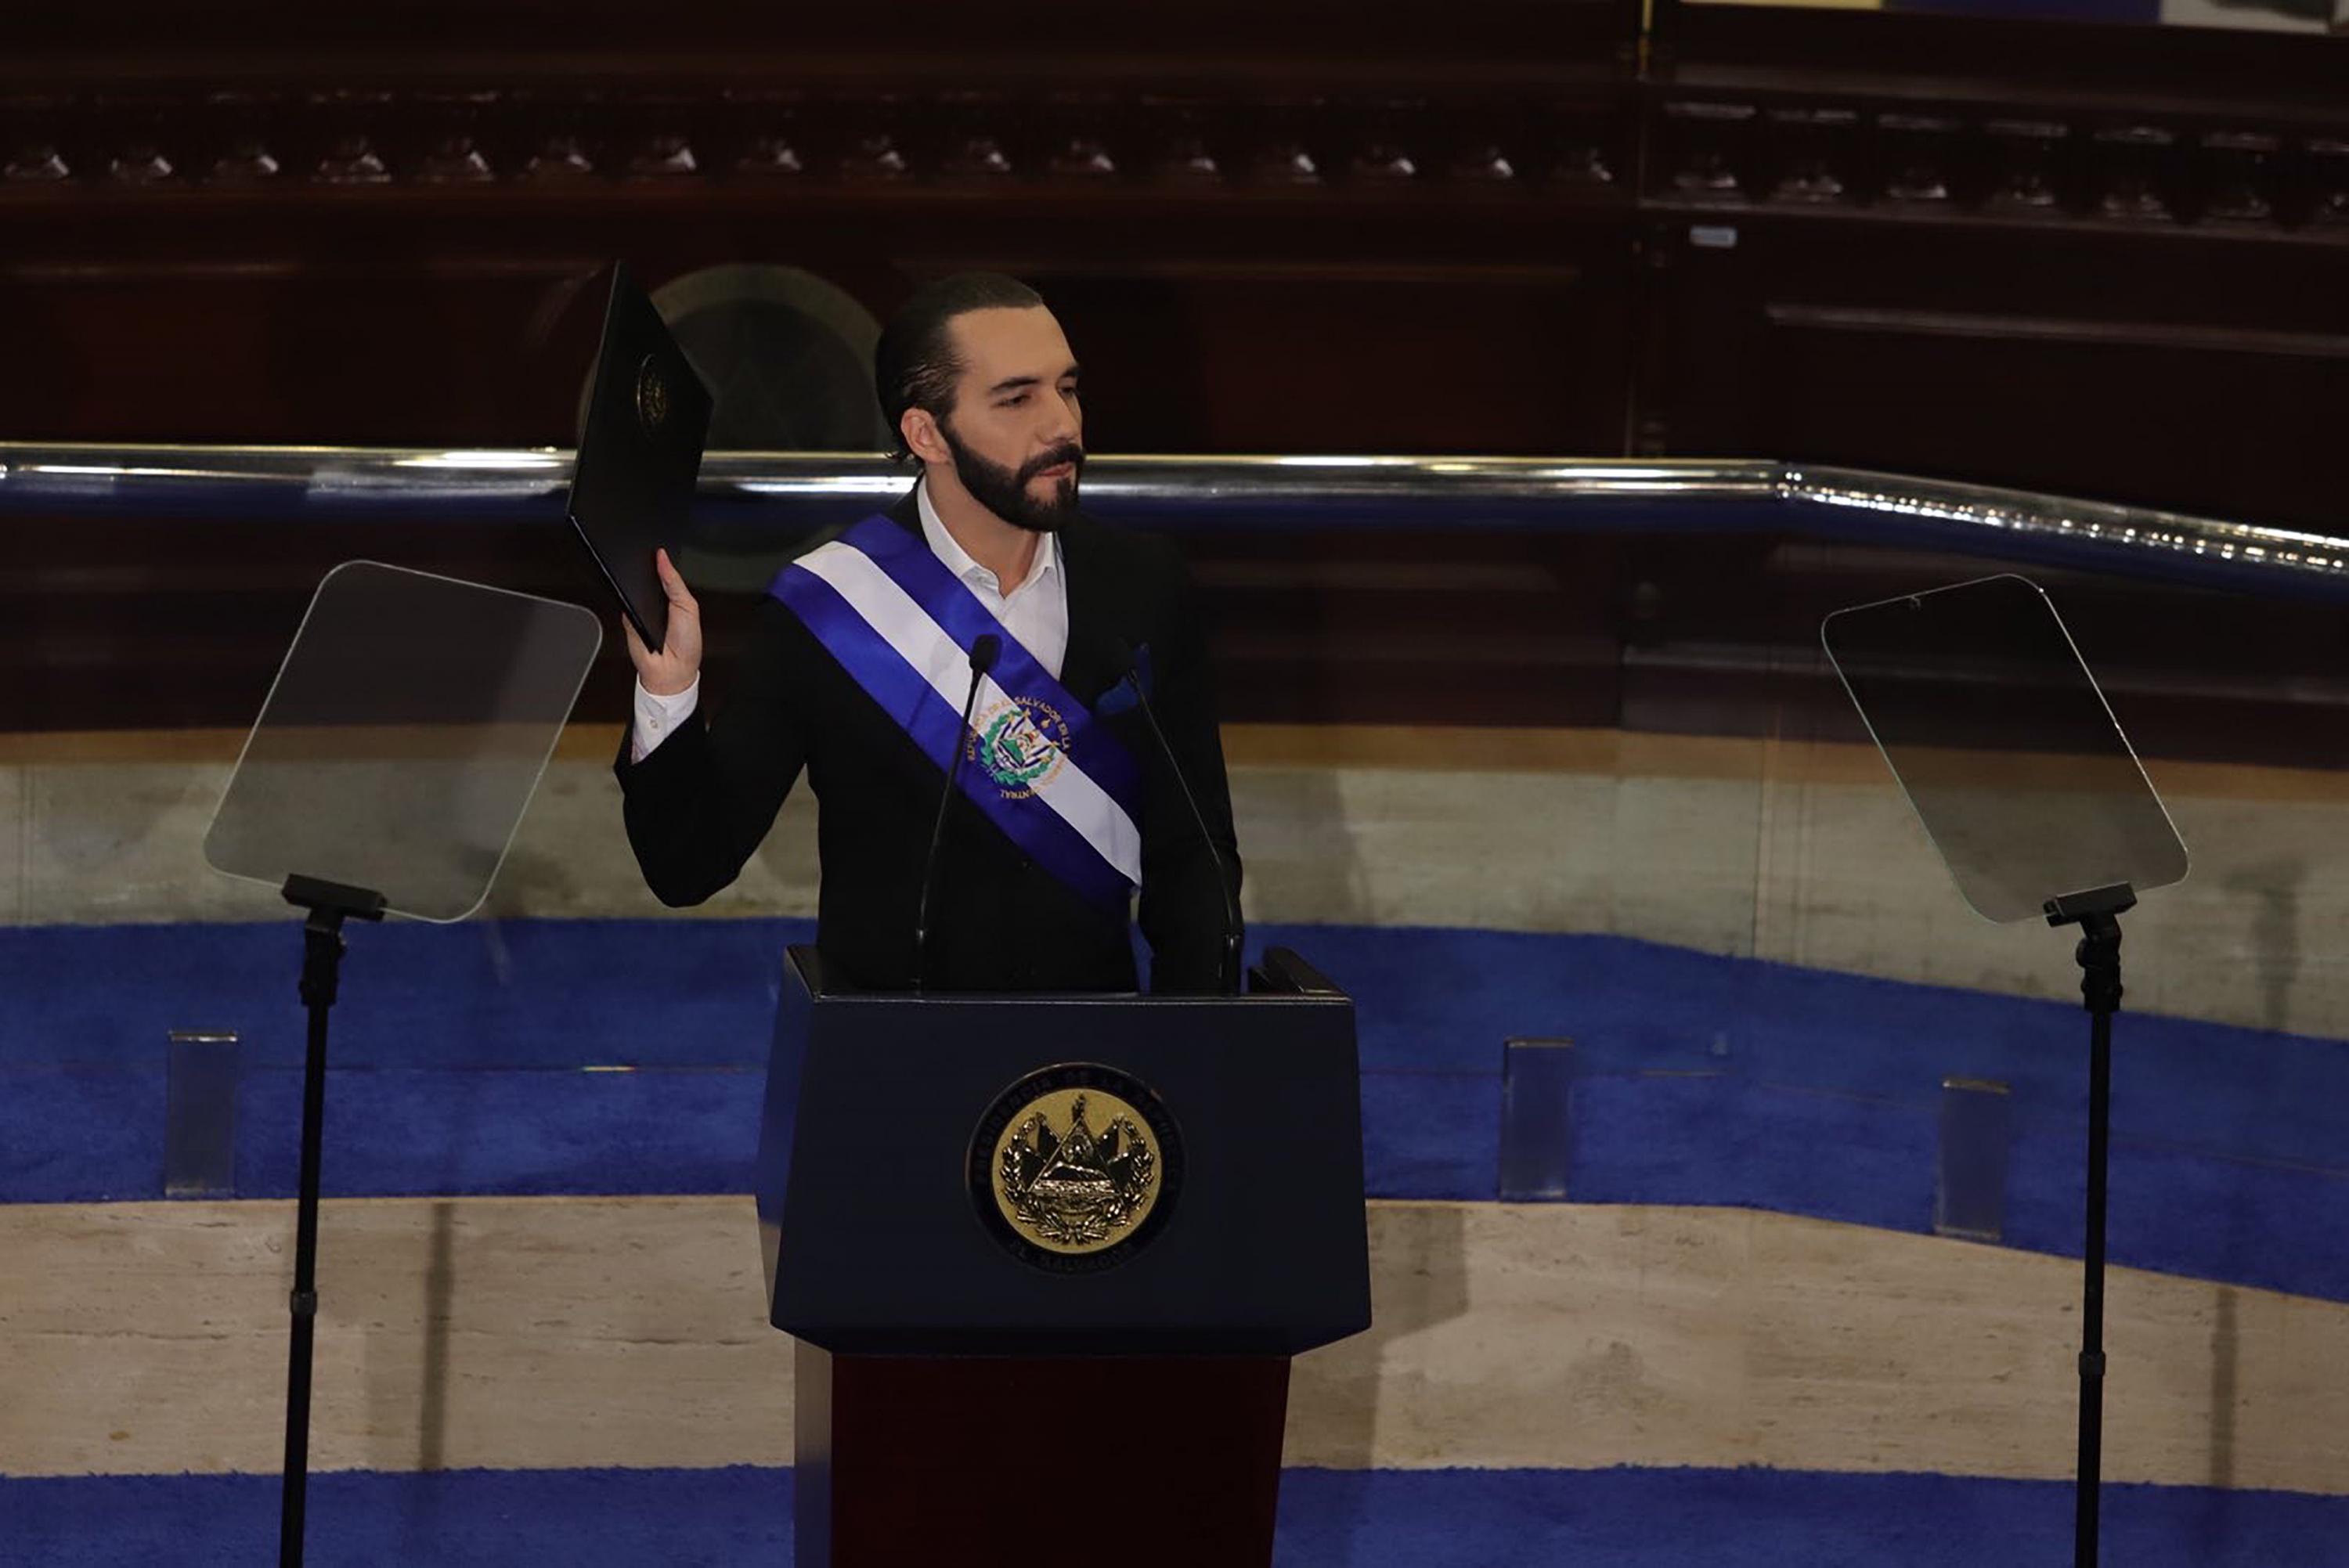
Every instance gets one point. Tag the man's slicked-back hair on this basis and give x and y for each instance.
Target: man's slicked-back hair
(913, 364)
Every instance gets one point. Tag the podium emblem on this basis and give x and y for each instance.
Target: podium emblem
(1075, 1167)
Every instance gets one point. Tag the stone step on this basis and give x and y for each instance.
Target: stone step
(559, 1332)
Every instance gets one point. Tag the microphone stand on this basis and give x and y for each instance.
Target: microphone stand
(1227, 974)
(983, 655)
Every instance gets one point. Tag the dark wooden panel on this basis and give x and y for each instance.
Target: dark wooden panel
(376, 325)
(1874, 52)
(166, 623)
(611, 32)
(328, 354)
(2190, 673)
(305, 261)
(2048, 258)
(1170, 1462)
(1449, 629)
(128, 623)
(1458, 360)
(2175, 376)
(2221, 429)
(2000, 281)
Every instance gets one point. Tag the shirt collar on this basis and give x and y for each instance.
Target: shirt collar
(958, 560)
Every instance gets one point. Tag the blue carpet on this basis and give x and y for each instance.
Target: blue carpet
(1329, 1519)
(459, 1052)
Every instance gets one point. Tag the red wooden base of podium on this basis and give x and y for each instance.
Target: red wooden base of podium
(1137, 1461)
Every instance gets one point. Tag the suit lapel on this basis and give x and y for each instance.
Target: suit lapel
(1097, 612)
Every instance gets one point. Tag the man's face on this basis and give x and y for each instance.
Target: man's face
(1017, 431)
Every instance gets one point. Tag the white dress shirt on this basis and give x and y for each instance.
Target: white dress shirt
(1035, 613)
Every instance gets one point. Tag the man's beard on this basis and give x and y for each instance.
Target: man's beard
(1004, 491)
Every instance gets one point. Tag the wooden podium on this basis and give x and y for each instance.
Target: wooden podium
(1047, 1259)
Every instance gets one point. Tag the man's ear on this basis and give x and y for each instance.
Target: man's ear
(920, 430)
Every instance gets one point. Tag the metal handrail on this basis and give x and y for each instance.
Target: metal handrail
(749, 499)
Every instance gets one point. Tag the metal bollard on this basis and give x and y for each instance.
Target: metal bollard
(1537, 1118)
(200, 1114)
(1969, 1186)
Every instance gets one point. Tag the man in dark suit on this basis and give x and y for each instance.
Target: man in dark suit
(863, 655)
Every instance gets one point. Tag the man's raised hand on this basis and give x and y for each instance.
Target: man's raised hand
(675, 667)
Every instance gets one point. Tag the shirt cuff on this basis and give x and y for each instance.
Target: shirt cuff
(656, 718)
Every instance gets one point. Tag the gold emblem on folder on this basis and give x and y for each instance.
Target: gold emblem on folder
(652, 396)
(1074, 1165)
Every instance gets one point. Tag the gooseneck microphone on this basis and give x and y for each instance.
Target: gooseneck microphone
(983, 655)
(1228, 973)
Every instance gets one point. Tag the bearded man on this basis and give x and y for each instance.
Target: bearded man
(1063, 804)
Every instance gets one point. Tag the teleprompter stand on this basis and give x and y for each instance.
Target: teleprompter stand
(330, 904)
(386, 774)
(2097, 914)
(1992, 722)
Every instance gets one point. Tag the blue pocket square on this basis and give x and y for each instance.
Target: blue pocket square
(1120, 698)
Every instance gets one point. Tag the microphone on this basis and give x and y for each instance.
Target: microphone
(1228, 975)
(983, 655)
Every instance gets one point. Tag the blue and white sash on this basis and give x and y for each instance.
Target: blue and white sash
(1059, 785)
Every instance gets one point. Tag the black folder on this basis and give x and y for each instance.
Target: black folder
(639, 454)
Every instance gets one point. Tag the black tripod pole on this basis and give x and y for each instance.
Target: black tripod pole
(322, 955)
(2097, 914)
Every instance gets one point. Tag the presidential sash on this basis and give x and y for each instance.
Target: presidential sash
(1059, 784)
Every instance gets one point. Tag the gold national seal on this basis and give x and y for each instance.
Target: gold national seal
(1074, 1165)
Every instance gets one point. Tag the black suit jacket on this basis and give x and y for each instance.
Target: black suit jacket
(699, 803)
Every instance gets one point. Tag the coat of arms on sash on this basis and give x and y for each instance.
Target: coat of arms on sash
(1021, 744)
(1074, 1166)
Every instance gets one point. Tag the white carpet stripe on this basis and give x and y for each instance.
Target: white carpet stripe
(531, 1333)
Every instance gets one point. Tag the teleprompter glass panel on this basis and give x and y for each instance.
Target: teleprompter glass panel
(408, 727)
(1992, 722)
